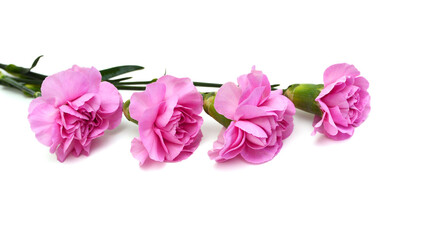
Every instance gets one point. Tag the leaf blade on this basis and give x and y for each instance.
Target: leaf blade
(119, 70)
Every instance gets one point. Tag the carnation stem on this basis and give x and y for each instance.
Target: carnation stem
(22, 72)
(132, 83)
(29, 81)
(134, 88)
(11, 82)
(203, 84)
(197, 84)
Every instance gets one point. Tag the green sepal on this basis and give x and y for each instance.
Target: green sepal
(126, 111)
(303, 96)
(208, 106)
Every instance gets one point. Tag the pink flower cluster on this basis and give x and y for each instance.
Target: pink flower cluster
(74, 109)
(344, 101)
(261, 119)
(169, 122)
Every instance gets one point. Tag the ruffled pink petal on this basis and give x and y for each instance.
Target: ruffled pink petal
(43, 120)
(254, 80)
(227, 100)
(71, 84)
(337, 116)
(288, 126)
(165, 114)
(330, 127)
(190, 148)
(363, 116)
(254, 98)
(139, 151)
(172, 148)
(361, 82)
(214, 154)
(82, 100)
(184, 90)
(291, 109)
(234, 142)
(260, 155)
(141, 101)
(150, 139)
(337, 99)
(99, 131)
(276, 102)
(63, 152)
(251, 128)
(114, 118)
(250, 112)
(110, 98)
(340, 136)
(333, 73)
(111, 104)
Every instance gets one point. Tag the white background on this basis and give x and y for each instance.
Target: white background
(372, 186)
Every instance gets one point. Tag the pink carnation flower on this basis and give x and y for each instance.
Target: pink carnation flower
(168, 117)
(261, 119)
(75, 108)
(344, 102)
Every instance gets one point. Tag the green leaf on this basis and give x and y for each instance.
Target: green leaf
(35, 63)
(24, 72)
(118, 80)
(116, 71)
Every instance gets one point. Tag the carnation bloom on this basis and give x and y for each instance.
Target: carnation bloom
(260, 119)
(168, 117)
(344, 102)
(75, 108)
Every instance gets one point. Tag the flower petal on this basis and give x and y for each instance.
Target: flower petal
(333, 73)
(43, 120)
(361, 82)
(139, 151)
(184, 90)
(251, 128)
(260, 155)
(141, 101)
(214, 154)
(227, 100)
(110, 98)
(71, 84)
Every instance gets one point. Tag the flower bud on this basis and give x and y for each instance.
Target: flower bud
(303, 96)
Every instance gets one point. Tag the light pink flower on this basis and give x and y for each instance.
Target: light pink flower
(75, 108)
(168, 117)
(344, 101)
(261, 119)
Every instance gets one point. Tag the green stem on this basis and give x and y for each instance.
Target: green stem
(20, 87)
(203, 84)
(121, 87)
(22, 72)
(29, 81)
(131, 83)
(197, 84)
